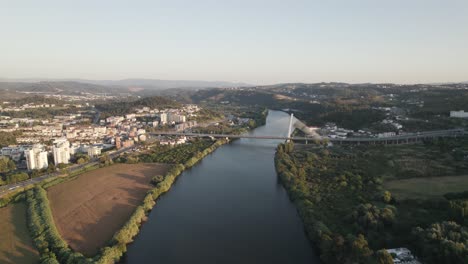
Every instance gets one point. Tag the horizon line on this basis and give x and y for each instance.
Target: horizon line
(41, 79)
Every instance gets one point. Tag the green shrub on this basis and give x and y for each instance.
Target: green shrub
(44, 232)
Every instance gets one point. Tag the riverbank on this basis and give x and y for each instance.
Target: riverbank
(230, 208)
(343, 196)
(325, 200)
(57, 249)
(54, 248)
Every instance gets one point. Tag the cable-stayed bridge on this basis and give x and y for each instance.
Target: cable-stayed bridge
(313, 136)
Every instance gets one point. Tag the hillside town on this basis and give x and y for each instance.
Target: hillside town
(63, 139)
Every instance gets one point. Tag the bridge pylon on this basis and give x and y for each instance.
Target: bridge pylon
(290, 126)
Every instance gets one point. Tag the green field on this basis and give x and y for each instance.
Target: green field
(16, 246)
(428, 187)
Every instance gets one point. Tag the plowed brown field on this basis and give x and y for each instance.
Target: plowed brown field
(16, 246)
(90, 209)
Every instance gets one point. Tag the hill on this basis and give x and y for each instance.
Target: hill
(165, 84)
(64, 88)
(123, 107)
(151, 84)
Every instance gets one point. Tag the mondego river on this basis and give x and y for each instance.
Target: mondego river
(229, 208)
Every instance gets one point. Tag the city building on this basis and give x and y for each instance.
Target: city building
(118, 142)
(36, 158)
(386, 134)
(176, 118)
(142, 137)
(94, 151)
(61, 150)
(163, 118)
(402, 255)
(127, 143)
(74, 149)
(459, 114)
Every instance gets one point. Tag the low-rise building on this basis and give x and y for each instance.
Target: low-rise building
(94, 151)
(386, 134)
(127, 143)
(459, 114)
(402, 255)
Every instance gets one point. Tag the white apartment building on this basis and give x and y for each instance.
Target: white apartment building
(176, 118)
(74, 149)
(36, 158)
(94, 151)
(61, 151)
(459, 114)
(163, 118)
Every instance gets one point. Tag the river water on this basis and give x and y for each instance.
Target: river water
(229, 208)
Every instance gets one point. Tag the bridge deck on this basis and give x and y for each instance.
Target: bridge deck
(412, 136)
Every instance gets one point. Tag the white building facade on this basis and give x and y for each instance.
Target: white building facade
(36, 158)
(94, 151)
(459, 114)
(163, 118)
(61, 151)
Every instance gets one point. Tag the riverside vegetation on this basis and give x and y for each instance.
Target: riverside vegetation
(53, 249)
(341, 195)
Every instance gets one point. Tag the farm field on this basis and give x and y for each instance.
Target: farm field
(426, 187)
(91, 208)
(16, 246)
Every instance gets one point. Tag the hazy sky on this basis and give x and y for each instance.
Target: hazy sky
(252, 41)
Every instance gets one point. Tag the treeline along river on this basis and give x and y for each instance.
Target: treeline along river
(230, 208)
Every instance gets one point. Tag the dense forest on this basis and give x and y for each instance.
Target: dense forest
(351, 217)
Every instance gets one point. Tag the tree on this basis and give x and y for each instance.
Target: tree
(81, 158)
(17, 177)
(157, 179)
(132, 160)
(360, 249)
(35, 173)
(383, 257)
(62, 165)
(387, 197)
(7, 138)
(105, 159)
(445, 242)
(51, 168)
(6, 165)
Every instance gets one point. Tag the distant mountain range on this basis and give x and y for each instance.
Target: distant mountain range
(138, 83)
(68, 88)
(19, 88)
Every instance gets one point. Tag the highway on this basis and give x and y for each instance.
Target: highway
(12, 187)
